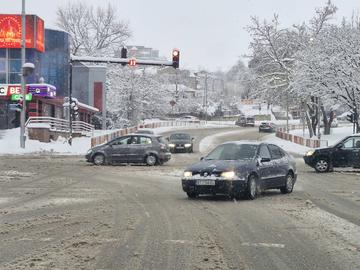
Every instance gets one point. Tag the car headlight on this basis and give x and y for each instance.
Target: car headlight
(228, 175)
(187, 174)
(171, 145)
(187, 145)
(309, 153)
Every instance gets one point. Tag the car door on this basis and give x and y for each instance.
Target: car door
(138, 147)
(265, 168)
(279, 169)
(119, 149)
(347, 154)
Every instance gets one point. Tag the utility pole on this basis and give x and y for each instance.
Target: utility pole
(23, 85)
(287, 112)
(70, 101)
(318, 105)
(205, 96)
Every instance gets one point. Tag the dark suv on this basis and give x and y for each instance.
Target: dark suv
(133, 148)
(345, 153)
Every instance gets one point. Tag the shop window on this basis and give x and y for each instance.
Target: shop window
(2, 53)
(2, 65)
(15, 65)
(15, 78)
(15, 54)
(2, 77)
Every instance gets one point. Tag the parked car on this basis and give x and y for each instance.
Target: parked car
(345, 153)
(180, 142)
(134, 148)
(189, 118)
(245, 121)
(267, 127)
(144, 131)
(241, 169)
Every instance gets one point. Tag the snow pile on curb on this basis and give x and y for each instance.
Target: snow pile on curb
(10, 144)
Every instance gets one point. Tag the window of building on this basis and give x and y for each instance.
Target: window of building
(15, 65)
(2, 53)
(14, 78)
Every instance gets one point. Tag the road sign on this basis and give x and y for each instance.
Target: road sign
(16, 97)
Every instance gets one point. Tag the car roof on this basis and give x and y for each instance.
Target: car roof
(179, 133)
(244, 142)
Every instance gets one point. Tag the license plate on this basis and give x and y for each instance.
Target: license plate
(205, 182)
(180, 147)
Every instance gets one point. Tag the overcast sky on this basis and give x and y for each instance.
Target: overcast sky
(209, 33)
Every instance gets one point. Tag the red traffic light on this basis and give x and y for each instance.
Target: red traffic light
(132, 62)
(175, 58)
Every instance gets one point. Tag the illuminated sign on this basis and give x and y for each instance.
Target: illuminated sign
(8, 90)
(10, 32)
(28, 97)
(36, 90)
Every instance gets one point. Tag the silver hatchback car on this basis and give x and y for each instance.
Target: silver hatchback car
(134, 148)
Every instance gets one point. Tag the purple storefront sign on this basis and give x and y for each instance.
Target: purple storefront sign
(42, 90)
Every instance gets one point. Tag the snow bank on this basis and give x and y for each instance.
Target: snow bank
(336, 135)
(286, 145)
(10, 144)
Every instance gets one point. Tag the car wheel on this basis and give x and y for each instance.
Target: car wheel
(289, 184)
(322, 165)
(192, 195)
(150, 160)
(99, 159)
(251, 188)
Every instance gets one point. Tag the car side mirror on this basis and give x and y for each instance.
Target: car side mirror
(202, 158)
(340, 145)
(264, 159)
(192, 139)
(167, 138)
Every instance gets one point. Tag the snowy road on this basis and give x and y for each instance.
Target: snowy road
(73, 215)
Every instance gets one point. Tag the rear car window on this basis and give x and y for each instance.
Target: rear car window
(275, 151)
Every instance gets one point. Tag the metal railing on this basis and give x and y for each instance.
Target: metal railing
(60, 125)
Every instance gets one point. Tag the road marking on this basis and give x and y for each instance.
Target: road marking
(178, 241)
(263, 245)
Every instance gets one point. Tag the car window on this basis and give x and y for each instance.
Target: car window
(353, 142)
(232, 151)
(180, 136)
(121, 141)
(134, 140)
(264, 152)
(275, 151)
(145, 140)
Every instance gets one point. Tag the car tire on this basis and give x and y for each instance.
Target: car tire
(192, 195)
(251, 188)
(99, 159)
(322, 165)
(289, 184)
(151, 160)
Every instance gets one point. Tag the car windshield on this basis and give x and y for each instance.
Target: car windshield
(232, 151)
(180, 136)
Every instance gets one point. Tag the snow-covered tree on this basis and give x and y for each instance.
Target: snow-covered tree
(94, 31)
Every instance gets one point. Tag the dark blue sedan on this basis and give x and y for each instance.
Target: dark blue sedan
(241, 169)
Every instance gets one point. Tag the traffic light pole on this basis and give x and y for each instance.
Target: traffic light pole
(70, 109)
(23, 90)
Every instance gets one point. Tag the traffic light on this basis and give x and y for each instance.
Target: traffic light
(175, 58)
(132, 62)
(74, 111)
(351, 118)
(124, 54)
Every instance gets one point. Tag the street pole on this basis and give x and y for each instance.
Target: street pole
(23, 86)
(287, 112)
(318, 105)
(70, 99)
(206, 90)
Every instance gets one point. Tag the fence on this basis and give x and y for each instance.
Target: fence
(59, 125)
(122, 132)
(312, 143)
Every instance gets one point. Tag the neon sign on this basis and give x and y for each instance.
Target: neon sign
(10, 32)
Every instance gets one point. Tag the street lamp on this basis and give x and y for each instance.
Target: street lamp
(26, 70)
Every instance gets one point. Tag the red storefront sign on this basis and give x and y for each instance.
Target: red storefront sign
(10, 32)
(7, 90)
